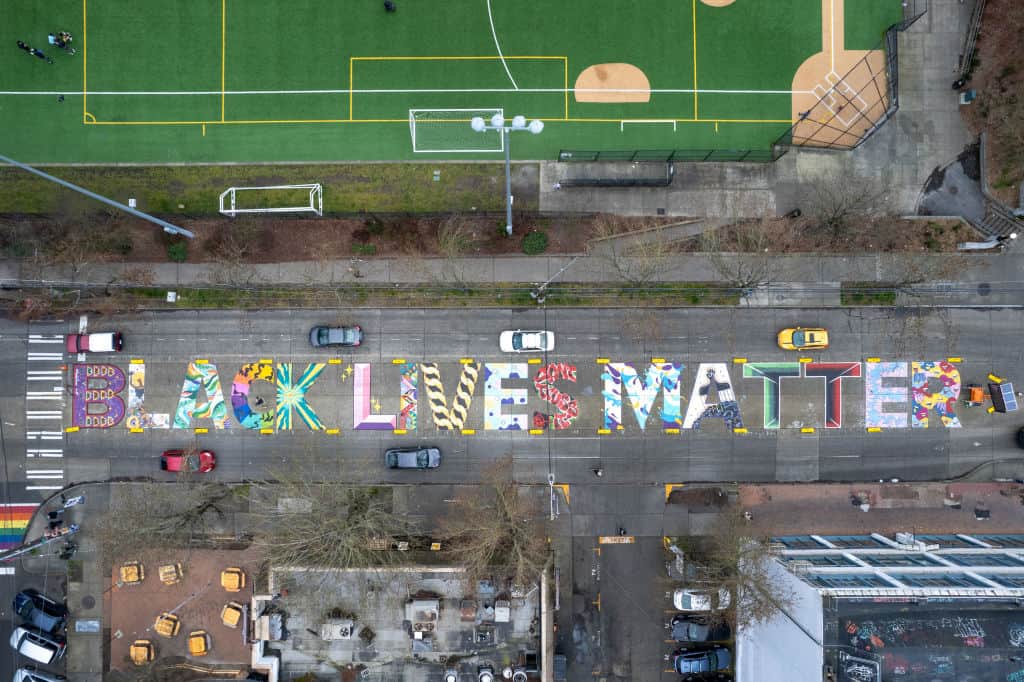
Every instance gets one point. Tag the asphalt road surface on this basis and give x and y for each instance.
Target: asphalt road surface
(36, 382)
(625, 429)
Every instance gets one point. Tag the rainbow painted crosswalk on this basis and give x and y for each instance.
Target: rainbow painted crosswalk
(14, 520)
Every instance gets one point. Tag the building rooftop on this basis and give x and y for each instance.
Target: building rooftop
(409, 624)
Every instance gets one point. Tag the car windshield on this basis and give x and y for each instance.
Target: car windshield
(322, 334)
(422, 458)
(798, 338)
(191, 463)
(517, 341)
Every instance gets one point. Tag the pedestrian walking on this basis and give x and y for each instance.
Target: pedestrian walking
(599, 472)
(389, 6)
(60, 98)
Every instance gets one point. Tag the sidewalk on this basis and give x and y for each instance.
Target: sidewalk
(86, 583)
(988, 278)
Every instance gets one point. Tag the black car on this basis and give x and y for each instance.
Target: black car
(39, 610)
(321, 337)
(412, 458)
(696, 629)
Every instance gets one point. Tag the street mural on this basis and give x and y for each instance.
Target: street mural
(566, 407)
(521, 396)
(943, 401)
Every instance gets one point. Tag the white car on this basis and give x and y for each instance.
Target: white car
(700, 600)
(519, 341)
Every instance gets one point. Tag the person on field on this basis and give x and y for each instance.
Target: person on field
(41, 55)
(23, 46)
(389, 6)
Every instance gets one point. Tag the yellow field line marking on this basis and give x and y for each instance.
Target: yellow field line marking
(694, 23)
(223, 52)
(85, 55)
(204, 130)
(351, 63)
(89, 116)
(565, 62)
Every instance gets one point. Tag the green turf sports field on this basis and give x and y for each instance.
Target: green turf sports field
(262, 80)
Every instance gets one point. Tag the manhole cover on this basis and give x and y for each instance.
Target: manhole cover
(88, 601)
(984, 289)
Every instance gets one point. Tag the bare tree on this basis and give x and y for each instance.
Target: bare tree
(738, 557)
(454, 240)
(144, 516)
(835, 199)
(498, 528)
(740, 253)
(325, 524)
(637, 255)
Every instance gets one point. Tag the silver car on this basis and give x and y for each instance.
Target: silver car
(412, 458)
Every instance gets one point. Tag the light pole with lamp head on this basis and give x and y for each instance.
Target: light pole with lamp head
(497, 122)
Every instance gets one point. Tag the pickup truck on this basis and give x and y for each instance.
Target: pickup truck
(104, 342)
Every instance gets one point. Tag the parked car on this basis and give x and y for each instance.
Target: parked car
(40, 646)
(39, 610)
(412, 458)
(709, 661)
(322, 337)
(29, 673)
(201, 461)
(799, 338)
(686, 599)
(105, 342)
(695, 629)
(519, 341)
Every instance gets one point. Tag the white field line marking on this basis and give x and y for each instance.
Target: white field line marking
(403, 91)
(498, 46)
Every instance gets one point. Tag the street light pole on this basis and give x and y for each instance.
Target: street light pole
(497, 122)
(508, 181)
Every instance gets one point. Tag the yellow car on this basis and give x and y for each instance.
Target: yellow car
(799, 338)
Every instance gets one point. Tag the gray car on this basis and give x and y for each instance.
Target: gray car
(413, 458)
(695, 629)
(321, 337)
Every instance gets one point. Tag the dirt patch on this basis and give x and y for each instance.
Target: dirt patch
(612, 83)
(804, 235)
(997, 77)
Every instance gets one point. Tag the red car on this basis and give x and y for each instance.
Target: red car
(105, 342)
(192, 461)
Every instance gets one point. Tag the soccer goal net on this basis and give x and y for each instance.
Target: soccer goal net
(448, 130)
(273, 199)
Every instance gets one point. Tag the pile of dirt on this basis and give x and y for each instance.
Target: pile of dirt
(997, 76)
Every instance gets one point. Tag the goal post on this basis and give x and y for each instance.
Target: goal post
(449, 131)
(229, 201)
